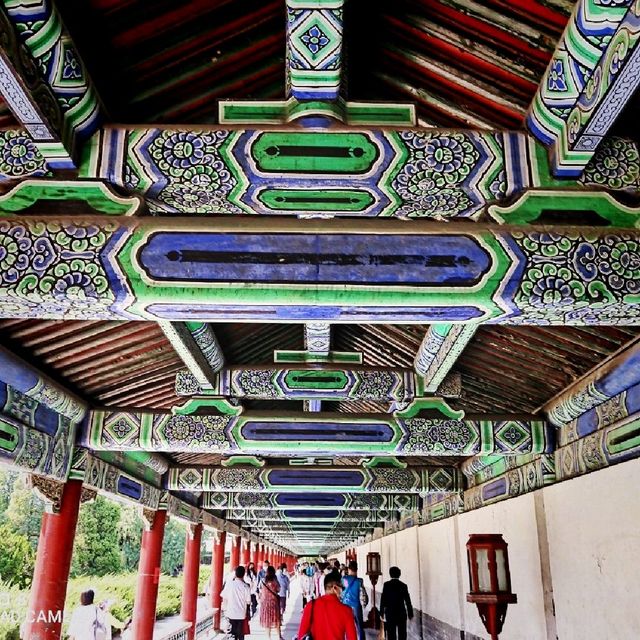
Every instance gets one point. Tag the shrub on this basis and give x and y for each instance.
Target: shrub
(17, 558)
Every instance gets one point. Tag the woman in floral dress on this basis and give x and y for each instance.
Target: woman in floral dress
(270, 603)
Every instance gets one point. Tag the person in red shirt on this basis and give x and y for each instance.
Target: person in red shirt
(326, 618)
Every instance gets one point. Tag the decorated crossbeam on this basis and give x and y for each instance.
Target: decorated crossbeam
(311, 515)
(142, 464)
(591, 77)
(23, 379)
(197, 346)
(439, 350)
(26, 448)
(327, 382)
(108, 478)
(318, 382)
(598, 394)
(160, 269)
(44, 81)
(364, 172)
(304, 434)
(529, 477)
(343, 502)
(420, 480)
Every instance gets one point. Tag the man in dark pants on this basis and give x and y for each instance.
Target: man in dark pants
(395, 606)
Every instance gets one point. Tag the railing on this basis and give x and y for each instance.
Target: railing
(176, 634)
(204, 626)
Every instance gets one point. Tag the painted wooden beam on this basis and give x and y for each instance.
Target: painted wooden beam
(25, 379)
(324, 434)
(309, 382)
(599, 388)
(343, 502)
(314, 49)
(317, 381)
(362, 171)
(317, 340)
(591, 77)
(197, 346)
(44, 81)
(311, 515)
(183, 269)
(419, 480)
(439, 350)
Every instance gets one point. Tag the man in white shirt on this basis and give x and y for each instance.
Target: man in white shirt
(237, 597)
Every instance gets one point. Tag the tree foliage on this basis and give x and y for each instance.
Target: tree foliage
(97, 549)
(175, 537)
(17, 558)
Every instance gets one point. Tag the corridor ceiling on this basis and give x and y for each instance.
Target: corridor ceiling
(354, 411)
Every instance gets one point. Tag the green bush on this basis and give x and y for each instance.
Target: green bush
(17, 558)
(13, 604)
(205, 576)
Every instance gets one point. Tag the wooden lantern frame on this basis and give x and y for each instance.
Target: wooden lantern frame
(492, 603)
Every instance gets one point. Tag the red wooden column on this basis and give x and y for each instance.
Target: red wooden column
(256, 555)
(246, 552)
(235, 552)
(189, 606)
(53, 561)
(144, 605)
(217, 575)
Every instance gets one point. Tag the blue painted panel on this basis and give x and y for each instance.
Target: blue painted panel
(130, 488)
(331, 259)
(494, 489)
(311, 514)
(322, 478)
(633, 399)
(310, 500)
(587, 422)
(317, 432)
(19, 377)
(288, 312)
(622, 377)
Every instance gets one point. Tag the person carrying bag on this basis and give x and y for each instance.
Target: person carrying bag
(326, 618)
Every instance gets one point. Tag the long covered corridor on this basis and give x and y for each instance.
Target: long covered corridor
(329, 280)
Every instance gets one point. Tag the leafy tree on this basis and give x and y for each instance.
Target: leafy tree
(97, 550)
(7, 478)
(130, 537)
(24, 512)
(175, 537)
(17, 558)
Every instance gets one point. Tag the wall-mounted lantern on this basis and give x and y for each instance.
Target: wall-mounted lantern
(490, 580)
(374, 571)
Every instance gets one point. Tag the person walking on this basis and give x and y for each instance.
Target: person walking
(306, 584)
(88, 621)
(270, 617)
(326, 618)
(262, 573)
(251, 578)
(285, 583)
(355, 596)
(237, 599)
(395, 606)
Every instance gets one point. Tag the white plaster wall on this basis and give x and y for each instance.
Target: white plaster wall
(440, 591)
(408, 562)
(515, 519)
(594, 539)
(593, 530)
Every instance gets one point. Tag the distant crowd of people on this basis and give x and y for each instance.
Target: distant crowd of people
(333, 601)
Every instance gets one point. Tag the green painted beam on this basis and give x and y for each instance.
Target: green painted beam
(283, 480)
(302, 434)
(181, 269)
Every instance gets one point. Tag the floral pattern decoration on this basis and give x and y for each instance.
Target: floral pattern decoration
(52, 270)
(579, 278)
